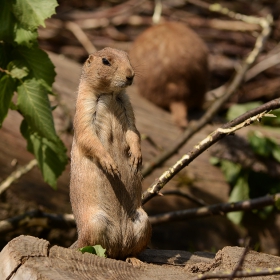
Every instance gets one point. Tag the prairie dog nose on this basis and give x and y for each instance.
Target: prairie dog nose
(129, 78)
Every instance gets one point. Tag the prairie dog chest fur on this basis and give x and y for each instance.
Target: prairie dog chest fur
(105, 185)
(110, 120)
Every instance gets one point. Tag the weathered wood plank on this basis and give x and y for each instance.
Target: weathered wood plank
(175, 257)
(27, 257)
(18, 250)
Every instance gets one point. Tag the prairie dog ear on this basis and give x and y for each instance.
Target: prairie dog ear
(89, 60)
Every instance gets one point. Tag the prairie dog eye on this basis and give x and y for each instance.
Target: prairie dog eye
(105, 61)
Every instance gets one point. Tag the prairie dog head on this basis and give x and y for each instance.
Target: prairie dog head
(108, 71)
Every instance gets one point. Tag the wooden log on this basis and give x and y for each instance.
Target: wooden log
(18, 251)
(27, 257)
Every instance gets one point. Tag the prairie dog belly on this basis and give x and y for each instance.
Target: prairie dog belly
(110, 127)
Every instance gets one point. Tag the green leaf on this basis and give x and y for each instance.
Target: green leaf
(100, 251)
(25, 37)
(258, 143)
(239, 192)
(277, 203)
(7, 88)
(238, 109)
(34, 105)
(17, 69)
(272, 121)
(40, 64)
(276, 153)
(235, 217)
(265, 212)
(231, 170)
(214, 160)
(262, 145)
(5, 55)
(96, 250)
(32, 13)
(87, 249)
(7, 21)
(51, 156)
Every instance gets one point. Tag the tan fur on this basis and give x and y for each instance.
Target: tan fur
(173, 68)
(105, 186)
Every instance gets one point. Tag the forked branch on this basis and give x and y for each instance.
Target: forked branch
(227, 129)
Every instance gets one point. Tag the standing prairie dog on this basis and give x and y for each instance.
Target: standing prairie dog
(173, 68)
(105, 185)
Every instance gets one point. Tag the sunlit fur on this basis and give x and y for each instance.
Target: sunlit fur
(172, 62)
(105, 186)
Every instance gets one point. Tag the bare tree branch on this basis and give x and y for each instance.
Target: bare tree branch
(37, 218)
(215, 209)
(81, 36)
(192, 198)
(269, 61)
(230, 127)
(17, 174)
(227, 89)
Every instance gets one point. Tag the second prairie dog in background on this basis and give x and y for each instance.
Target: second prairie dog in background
(105, 185)
(172, 62)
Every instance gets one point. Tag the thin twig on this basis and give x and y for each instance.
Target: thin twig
(37, 218)
(145, 137)
(81, 36)
(157, 11)
(266, 63)
(218, 8)
(239, 274)
(118, 9)
(228, 90)
(239, 265)
(192, 198)
(215, 209)
(230, 127)
(16, 175)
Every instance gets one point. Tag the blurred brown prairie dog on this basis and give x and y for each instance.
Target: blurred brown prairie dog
(173, 68)
(105, 185)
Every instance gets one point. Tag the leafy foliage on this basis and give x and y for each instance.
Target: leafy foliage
(96, 250)
(7, 87)
(246, 183)
(27, 70)
(264, 146)
(238, 109)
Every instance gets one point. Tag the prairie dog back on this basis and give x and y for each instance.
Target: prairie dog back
(105, 185)
(173, 68)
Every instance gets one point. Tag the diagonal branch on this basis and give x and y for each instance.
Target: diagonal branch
(81, 36)
(17, 174)
(229, 128)
(240, 263)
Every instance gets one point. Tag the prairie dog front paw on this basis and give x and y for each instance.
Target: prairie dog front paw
(108, 165)
(135, 159)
